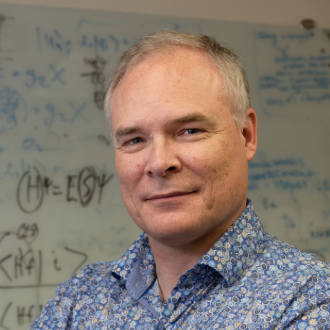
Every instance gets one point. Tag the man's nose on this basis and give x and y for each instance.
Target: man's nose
(162, 159)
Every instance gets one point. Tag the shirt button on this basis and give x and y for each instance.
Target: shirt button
(167, 312)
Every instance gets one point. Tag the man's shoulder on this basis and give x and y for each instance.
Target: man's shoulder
(296, 284)
(100, 267)
(287, 259)
(68, 294)
(89, 273)
(97, 268)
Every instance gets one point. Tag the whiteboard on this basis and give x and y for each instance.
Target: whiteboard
(60, 200)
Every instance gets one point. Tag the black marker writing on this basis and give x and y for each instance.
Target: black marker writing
(30, 181)
(97, 78)
(32, 189)
(79, 253)
(3, 316)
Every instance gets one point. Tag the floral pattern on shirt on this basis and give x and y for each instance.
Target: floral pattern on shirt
(247, 280)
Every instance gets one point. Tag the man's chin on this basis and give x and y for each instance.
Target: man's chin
(175, 234)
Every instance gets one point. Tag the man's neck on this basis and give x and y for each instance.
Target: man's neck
(173, 261)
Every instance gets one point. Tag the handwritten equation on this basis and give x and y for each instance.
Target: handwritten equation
(285, 175)
(97, 79)
(22, 268)
(55, 40)
(81, 188)
(292, 74)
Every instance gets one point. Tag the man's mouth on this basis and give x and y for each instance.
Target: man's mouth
(168, 196)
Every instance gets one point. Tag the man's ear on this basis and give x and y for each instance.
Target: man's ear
(250, 134)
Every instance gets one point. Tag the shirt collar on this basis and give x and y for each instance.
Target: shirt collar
(238, 248)
(234, 252)
(136, 252)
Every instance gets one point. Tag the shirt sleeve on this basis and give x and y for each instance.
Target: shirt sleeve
(316, 312)
(59, 311)
(56, 312)
(314, 319)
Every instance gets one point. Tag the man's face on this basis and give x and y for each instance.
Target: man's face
(180, 158)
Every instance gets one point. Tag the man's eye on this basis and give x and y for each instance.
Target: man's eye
(191, 131)
(136, 140)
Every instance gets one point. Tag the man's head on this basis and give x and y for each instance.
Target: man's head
(181, 156)
(236, 86)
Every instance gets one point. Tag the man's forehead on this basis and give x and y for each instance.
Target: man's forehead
(166, 69)
(184, 74)
(167, 56)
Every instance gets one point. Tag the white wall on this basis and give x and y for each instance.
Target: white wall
(283, 12)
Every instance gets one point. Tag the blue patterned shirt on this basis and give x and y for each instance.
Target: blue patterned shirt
(247, 280)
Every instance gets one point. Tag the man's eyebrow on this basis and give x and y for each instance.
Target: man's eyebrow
(190, 118)
(125, 131)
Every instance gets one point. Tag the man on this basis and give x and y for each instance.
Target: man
(183, 131)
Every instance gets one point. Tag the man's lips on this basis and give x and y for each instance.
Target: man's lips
(168, 195)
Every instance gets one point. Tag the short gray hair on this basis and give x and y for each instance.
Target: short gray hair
(236, 86)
